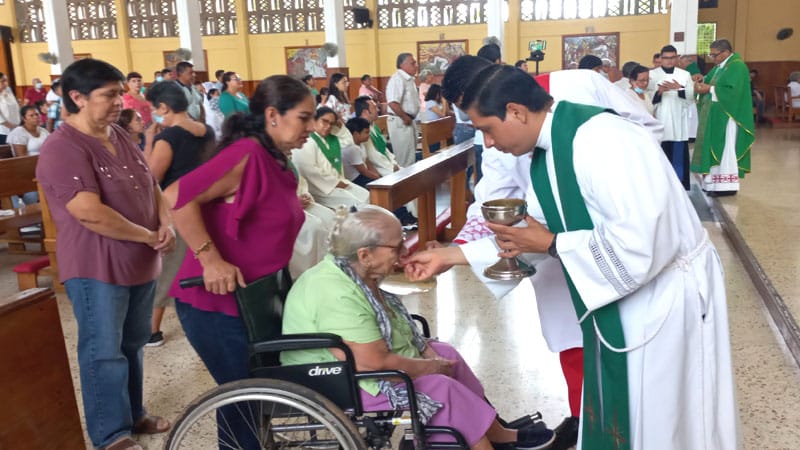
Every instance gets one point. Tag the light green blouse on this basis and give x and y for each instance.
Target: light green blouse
(325, 300)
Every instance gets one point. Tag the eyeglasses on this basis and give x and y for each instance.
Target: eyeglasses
(399, 248)
(714, 55)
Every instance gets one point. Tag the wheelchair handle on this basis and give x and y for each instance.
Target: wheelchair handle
(191, 282)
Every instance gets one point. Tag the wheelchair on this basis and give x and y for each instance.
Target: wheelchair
(309, 406)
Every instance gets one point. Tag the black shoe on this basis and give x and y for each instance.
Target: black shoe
(156, 339)
(535, 437)
(566, 434)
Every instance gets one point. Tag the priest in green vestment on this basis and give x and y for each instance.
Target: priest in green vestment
(726, 130)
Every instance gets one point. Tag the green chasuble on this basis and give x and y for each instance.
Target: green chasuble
(605, 417)
(734, 101)
(377, 139)
(331, 149)
(693, 68)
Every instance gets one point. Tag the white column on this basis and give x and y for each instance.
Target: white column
(58, 38)
(494, 21)
(334, 31)
(683, 19)
(189, 30)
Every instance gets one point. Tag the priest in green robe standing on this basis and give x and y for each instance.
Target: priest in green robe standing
(726, 131)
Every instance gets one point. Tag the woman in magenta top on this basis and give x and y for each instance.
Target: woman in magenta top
(239, 215)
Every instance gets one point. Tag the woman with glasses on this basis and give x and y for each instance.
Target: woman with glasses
(341, 295)
(232, 100)
(640, 78)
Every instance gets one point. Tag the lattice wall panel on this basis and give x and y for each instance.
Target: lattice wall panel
(217, 17)
(92, 19)
(425, 13)
(291, 16)
(30, 20)
(152, 18)
(531, 10)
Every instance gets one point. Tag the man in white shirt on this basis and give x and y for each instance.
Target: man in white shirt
(355, 164)
(673, 95)
(403, 101)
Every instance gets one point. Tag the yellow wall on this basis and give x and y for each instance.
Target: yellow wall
(639, 36)
(751, 26)
(370, 51)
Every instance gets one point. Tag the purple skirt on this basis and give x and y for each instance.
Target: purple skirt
(465, 407)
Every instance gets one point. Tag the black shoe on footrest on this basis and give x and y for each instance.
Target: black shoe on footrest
(566, 434)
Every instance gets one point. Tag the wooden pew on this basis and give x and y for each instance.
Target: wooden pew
(382, 123)
(49, 243)
(39, 409)
(419, 181)
(16, 178)
(6, 151)
(437, 131)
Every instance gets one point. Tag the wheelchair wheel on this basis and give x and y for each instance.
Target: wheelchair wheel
(263, 414)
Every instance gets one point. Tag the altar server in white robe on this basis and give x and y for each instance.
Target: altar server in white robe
(311, 244)
(673, 95)
(319, 161)
(646, 282)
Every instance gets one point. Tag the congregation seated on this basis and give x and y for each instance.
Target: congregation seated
(27, 139)
(355, 164)
(319, 161)
(341, 295)
(435, 105)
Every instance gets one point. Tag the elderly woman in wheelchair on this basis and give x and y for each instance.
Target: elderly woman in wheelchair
(340, 295)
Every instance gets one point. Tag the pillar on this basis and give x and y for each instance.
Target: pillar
(494, 22)
(58, 38)
(683, 26)
(190, 36)
(334, 31)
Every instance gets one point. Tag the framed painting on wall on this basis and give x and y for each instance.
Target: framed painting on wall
(436, 56)
(171, 58)
(301, 61)
(602, 45)
(80, 56)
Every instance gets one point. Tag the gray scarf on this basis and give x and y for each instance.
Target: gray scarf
(397, 394)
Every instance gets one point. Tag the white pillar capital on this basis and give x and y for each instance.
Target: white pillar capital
(58, 36)
(494, 21)
(189, 29)
(334, 31)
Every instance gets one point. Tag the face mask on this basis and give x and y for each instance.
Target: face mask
(38, 86)
(157, 118)
(142, 90)
(158, 79)
(638, 90)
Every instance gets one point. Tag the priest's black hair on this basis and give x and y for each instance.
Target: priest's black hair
(494, 87)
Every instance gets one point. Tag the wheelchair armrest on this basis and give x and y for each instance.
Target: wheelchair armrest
(426, 329)
(303, 341)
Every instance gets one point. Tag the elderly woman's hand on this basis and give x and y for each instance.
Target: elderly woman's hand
(441, 365)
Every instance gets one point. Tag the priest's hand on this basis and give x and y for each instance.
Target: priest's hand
(425, 264)
(702, 88)
(535, 238)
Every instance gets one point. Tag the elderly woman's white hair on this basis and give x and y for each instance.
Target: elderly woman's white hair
(424, 75)
(357, 229)
(794, 76)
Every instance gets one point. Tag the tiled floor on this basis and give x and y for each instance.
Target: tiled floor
(502, 341)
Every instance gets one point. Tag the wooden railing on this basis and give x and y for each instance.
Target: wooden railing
(419, 181)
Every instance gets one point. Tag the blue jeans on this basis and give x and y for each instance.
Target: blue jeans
(462, 132)
(113, 326)
(221, 342)
(477, 167)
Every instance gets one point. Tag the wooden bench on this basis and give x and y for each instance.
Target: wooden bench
(419, 181)
(16, 178)
(383, 125)
(29, 271)
(39, 409)
(6, 151)
(439, 131)
(784, 103)
(49, 243)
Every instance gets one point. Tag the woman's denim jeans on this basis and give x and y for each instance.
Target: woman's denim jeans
(113, 326)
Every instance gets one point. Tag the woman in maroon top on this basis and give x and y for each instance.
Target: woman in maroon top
(112, 222)
(239, 215)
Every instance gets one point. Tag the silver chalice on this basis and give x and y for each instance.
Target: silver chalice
(506, 211)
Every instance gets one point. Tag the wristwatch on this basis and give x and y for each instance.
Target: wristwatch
(552, 250)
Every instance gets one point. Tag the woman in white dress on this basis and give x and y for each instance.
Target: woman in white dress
(9, 109)
(640, 77)
(27, 138)
(338, 99)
